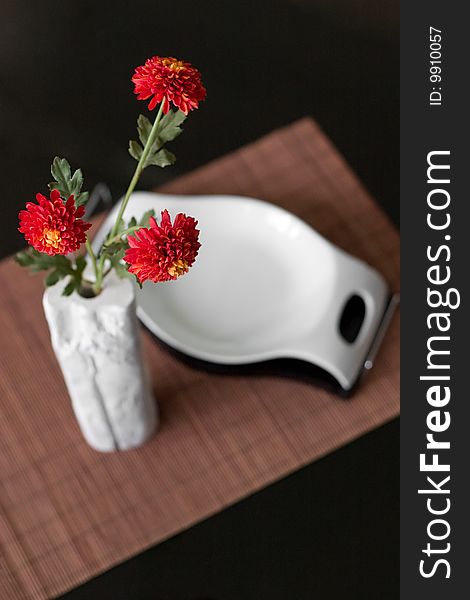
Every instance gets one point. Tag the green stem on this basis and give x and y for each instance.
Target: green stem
(100, 275)
(92, 256)
(98, 265)
(117, 237)
(138, 171)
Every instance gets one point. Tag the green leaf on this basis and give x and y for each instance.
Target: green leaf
(80, 264)
(132, 223)
(169, 127)
(70, 287)
(24, 258)
(60, 170)
(116, 254)
(145, 220)
(43, 262)
(111, 249)
(53, 277)
(121, 271)
(144, 127)
(66, 183)
(135, 149)
(163, 158)
(77, 181)
(59, 266)
(81, 198)
(121, 225)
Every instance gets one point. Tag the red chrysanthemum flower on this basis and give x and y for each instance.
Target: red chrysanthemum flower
(176, 81)
(53, 226)
(163, 252)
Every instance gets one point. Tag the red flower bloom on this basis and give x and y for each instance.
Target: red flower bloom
(174, 80)
(163, 251)
(52, 226)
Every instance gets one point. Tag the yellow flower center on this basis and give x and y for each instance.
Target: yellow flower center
(178, 268)
(173, 64)
(51, 237)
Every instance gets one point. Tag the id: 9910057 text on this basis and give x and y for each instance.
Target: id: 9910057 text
(435, 66)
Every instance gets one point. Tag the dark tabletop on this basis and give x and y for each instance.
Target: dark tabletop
(65, 69)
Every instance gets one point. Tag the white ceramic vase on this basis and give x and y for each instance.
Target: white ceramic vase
(98, 347)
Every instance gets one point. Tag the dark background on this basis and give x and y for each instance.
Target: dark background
(331, 530)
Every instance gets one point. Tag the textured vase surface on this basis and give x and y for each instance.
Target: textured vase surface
(98, 347)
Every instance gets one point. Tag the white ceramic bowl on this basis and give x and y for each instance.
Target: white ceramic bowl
(264, 286)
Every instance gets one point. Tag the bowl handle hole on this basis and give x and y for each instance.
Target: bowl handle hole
(352, 318)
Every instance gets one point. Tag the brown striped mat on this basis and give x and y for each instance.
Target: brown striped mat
(68, 513)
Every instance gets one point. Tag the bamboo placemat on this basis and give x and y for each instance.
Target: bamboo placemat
(68, 513)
